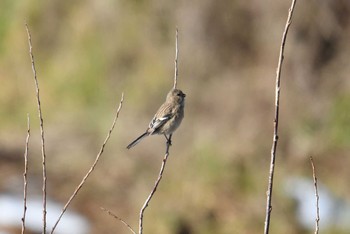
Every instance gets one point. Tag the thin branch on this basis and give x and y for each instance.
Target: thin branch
(275, 130)
(160, 175)
(25, 177)
(120, 219)
(41, 127)
(92, 167)
(317, 220)
(168, 143)
(176, 58)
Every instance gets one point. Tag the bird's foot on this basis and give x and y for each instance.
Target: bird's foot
(168, 140)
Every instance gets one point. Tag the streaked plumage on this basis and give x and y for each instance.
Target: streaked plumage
(168, 117)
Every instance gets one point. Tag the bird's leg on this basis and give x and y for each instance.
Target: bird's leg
(168, 139)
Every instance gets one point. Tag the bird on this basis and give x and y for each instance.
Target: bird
(167, 119)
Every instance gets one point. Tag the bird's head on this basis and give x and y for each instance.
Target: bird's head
(176, 95)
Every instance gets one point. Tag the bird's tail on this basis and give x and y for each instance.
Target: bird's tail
(132, 144)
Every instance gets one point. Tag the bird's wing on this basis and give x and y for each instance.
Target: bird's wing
(164, 113)
(159, 121)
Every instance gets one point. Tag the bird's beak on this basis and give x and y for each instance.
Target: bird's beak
(183, 95)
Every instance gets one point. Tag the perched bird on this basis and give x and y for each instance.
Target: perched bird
(168, 117)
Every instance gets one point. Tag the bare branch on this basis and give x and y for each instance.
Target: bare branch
(92, 167)
(120, 219)
(160, 175)
(176, 58)
(275, 130)
(168, 143)
(41, 127)
(316, 195)
(25, 177)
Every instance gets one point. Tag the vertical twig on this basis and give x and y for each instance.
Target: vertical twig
(160, 175)
(317, 220)
(275, 130)
(92, 167)
(41, 128)
(25, 177)
(176, 58)
(120, 219)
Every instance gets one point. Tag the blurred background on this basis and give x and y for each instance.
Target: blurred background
(88, 52)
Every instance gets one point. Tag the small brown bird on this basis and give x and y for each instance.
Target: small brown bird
(168, 117)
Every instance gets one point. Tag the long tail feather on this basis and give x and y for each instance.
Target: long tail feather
(132, 144)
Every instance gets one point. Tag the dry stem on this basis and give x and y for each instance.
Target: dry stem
(176, 58)
(317, 220)
(275, 130)
(92, 167)
(41, 128)
(120, 219)
(25, 177)
(160, 175)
